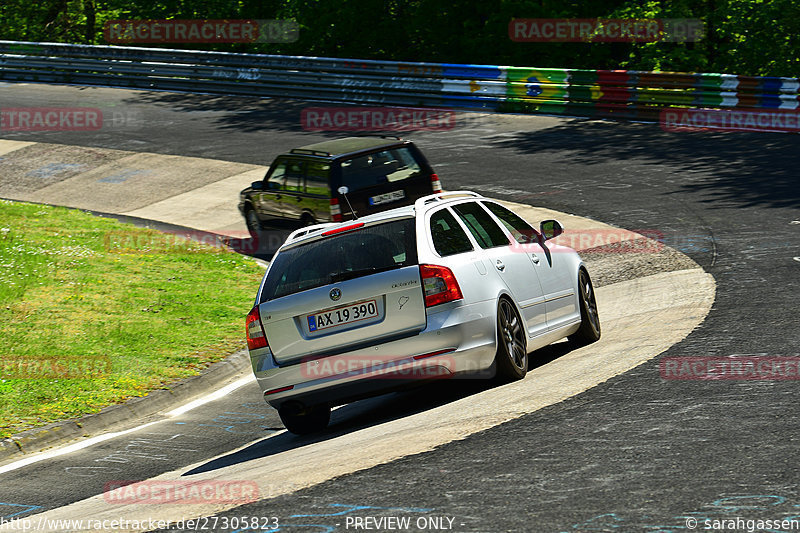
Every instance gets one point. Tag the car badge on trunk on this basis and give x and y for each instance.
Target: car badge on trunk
(335, 294)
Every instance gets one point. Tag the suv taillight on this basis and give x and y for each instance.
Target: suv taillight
(436, 184)
(439, 284)
(255, 332)
(336, 211)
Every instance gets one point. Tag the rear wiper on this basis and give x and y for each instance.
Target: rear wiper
(350, 274)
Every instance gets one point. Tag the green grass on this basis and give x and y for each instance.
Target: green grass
(138, 308)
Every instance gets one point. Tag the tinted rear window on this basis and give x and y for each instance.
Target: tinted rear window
(340, 257)
(448, 237)
(387, 166)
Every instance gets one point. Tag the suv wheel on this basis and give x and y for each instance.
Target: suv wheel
(302, 420)
(307, 220)
(253, 224)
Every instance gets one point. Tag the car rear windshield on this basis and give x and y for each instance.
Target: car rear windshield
(349, 255)
(394, 164)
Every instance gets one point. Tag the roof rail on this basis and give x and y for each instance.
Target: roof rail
(444, 196)
(304, 151)
(302, 232)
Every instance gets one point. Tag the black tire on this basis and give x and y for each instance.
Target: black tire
(511, 358)
(306, 420)
(307, 220)
(589, 331)
(253, 224)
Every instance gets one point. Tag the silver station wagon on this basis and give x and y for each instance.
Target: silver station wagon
(455, 285)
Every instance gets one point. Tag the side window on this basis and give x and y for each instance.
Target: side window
(294, 176)
(480, 224)
(317, 176)
(516, 226)
(278, 176)
(448, 237)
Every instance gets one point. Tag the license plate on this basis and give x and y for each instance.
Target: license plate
(342, 316)
(387, 198)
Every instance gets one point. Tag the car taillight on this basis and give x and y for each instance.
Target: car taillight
(336, 211)
(255, 332)
(439, 284)
(436, 185)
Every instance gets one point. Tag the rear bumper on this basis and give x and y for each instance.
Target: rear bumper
(458, 341)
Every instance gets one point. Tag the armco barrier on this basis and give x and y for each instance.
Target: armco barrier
(591, 93)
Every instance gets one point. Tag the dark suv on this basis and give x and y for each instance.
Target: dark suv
(303, 185)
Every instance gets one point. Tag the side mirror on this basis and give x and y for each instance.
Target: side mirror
(550, 229)
(257, 185)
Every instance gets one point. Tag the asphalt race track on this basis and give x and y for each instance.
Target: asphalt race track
(635, 453)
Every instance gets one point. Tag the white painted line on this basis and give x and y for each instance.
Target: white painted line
(107, 436)
(796, 258)
(69, 449)
(213, 396)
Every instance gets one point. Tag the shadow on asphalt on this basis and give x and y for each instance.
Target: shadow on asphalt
(373, 411)
(732, 169)
(239, 113)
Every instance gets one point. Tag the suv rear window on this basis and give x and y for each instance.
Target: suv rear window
(395, 164)
(366, 251)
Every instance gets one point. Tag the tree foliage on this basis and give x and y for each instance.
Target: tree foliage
(755, 37)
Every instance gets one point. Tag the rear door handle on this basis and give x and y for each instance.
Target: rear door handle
(500, 266)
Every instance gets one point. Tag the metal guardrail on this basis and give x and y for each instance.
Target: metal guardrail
(594, 93)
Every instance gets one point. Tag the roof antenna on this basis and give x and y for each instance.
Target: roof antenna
(343, 190)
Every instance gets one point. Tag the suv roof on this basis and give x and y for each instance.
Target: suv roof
(347, 145)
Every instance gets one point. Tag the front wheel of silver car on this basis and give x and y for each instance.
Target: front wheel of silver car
(512, 356)
(589, 331)
(302, 420)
